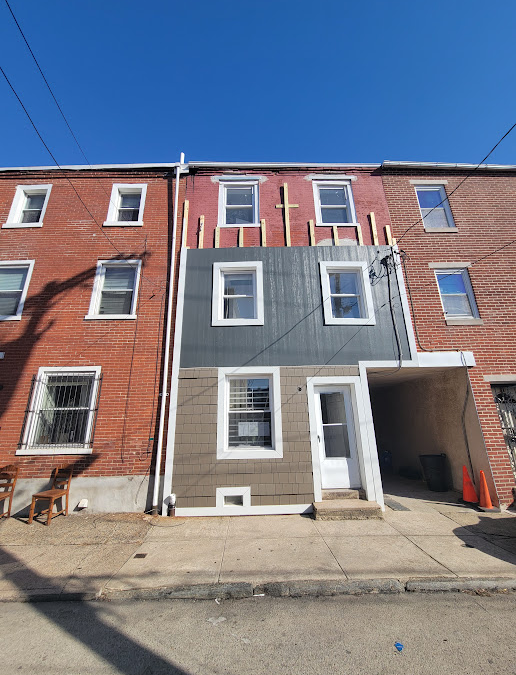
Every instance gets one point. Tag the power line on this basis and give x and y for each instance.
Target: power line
(46, 82)
(67, 178)
(419, 220)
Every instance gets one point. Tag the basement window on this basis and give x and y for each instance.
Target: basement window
(233, 498)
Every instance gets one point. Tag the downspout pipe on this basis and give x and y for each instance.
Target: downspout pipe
(164, 382)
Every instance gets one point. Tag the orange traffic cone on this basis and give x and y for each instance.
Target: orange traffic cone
(469, 494)
(485, 499)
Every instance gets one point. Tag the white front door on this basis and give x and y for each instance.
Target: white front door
(336, 438)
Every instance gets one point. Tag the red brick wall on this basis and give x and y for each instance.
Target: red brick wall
(483, 209)
(203, 195)
(53, 332)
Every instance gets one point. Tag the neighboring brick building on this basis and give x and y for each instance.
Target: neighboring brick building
(462, 286)
(291, 310)
(84, 261)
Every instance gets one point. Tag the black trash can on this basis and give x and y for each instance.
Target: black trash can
(434, 470)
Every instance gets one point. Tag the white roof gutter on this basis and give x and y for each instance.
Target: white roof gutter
(277, 165)
(388, 164)
(89, 167)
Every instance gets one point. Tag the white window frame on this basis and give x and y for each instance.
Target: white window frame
(333, 183)
(425, 187)
(238, 182)
(98, 285)
(249, 452)
(114, 204)
(217, 308)
(34, 406)
(463, 271)
(223, 492)
(366, 297)
(29, 264)
(20, 197)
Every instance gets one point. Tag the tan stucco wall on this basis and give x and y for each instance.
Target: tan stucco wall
(197, 472)
(424, 416)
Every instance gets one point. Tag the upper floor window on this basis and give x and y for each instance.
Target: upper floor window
(334, 203)
(29, 206)
(238, 203)
(434, 207)
(237, 294)
(115, 290)
(346, 291)
(14, 283)
(456, 293)
(126, 205)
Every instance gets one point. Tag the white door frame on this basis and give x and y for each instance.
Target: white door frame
(361, 433)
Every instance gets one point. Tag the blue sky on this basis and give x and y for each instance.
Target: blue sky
(278, 80)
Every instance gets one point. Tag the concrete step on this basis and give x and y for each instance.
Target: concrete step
(341, 494)
(346, 509)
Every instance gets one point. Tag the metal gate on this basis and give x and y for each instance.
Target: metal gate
(505, 399)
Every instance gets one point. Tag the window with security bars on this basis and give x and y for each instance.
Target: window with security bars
(249, 412)
(12, 284)
(62, 410)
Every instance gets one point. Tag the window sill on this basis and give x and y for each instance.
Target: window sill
(318, 224)
(21, 226)
(11, 318)
(464, 322)
(441, 230)
(58, 450)
(241, 225)
(249, 453)
(350, 322)
(100, 317)
(123, 223)
(237, 322)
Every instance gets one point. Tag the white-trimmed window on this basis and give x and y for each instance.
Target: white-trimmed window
(238, 203)
(457, 297)
(126, 205)
(14, 282)
(62, 411)
(115, 290)
(249, 413)
(434, 207)
(346, 292)
(29, 206)
(334, 202)
(237, 294)
(229, 498)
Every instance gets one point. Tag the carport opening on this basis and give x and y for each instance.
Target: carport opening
(426, 411)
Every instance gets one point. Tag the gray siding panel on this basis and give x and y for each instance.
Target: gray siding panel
(294, 332)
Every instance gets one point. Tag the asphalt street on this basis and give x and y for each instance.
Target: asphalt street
(441, 633)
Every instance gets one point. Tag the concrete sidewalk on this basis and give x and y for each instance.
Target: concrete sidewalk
(130, 555)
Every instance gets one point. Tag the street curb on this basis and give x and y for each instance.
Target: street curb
(296, 589)
(460, 585)
(275, 589)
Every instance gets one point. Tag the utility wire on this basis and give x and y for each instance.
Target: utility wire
(419, 220)
(46, 82)
(67, 177)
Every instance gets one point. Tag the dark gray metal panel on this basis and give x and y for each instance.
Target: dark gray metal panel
(294, 332)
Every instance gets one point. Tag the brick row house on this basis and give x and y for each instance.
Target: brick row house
(242, 341)
(456, 224)
(84, 263)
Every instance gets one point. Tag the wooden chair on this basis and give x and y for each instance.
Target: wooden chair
(8, 478)
(62, 477)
